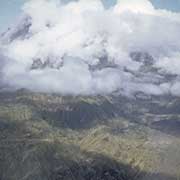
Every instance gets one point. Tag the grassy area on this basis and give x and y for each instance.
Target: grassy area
(36, 142)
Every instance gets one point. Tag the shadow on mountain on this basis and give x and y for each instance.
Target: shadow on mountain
(81, 115)
(171, 127)
(57, 161)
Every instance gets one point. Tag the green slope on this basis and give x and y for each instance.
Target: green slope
(51, 137)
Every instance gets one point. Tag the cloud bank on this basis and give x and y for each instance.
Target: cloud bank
(83, 48)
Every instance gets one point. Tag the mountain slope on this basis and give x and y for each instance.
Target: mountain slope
(40, 141)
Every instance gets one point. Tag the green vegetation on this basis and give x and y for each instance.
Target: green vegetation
(49, 137)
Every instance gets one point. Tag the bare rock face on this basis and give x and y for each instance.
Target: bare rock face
(38, 64)
(19, 31)
(142, 57)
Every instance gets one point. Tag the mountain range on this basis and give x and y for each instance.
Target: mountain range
(54, 136)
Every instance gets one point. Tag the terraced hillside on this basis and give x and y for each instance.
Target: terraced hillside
(53, 137)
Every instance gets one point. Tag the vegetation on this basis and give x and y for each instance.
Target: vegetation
(49, 137)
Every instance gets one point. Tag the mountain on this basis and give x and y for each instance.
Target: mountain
(115, 136)
(141, 72)
(19, 31)
(48, 136)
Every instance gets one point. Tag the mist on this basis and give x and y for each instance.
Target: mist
(82, 48)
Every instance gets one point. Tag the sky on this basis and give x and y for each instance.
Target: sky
(11, 9)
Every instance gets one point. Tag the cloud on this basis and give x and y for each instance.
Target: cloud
(83, 48)
(135, 6)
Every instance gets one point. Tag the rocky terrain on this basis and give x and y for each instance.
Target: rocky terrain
(53, 137)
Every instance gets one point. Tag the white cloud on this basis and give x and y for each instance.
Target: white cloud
(135, 6)
(90, 46)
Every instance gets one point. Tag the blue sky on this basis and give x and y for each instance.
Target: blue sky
(10, 9)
